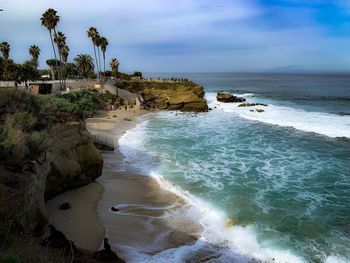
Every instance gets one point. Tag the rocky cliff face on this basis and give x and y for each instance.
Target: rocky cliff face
(74, 160)
(169, 95)
(70, 161)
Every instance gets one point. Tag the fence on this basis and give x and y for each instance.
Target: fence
(6, 84)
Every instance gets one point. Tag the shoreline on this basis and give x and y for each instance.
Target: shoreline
(85, 200)
(139, 225)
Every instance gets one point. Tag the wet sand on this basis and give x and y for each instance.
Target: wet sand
(147, 219)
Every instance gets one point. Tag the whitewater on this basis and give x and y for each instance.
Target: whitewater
(270, 186)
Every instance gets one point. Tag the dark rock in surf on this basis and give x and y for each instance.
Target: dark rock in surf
(227, 97)
(113, 209)
(252, 104)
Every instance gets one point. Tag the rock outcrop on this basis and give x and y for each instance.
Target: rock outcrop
(169, 95)
(71, 160)
(228, 97)
(74, 160)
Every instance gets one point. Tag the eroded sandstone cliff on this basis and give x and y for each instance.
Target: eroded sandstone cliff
(168, 95)
(71, 160)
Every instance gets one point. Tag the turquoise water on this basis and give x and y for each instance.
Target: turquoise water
(288, 181)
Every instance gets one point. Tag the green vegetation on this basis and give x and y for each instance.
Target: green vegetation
(138, 74)
(17, 72)
(5, 235)
(10, 259)
(25, 119)
(34, 51)
(89, 101)
(84, 65)
(114, 66)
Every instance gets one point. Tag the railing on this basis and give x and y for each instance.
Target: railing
(6, 84)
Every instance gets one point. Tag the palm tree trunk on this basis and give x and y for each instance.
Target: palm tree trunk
(54, 52)
(96, 62)
(99, 59)
(104, 65)
(61, 62)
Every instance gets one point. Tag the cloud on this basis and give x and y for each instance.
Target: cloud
(186, 35)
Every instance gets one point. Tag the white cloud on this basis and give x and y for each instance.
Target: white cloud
(165, 35)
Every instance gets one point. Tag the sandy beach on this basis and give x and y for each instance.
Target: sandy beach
(141, 219)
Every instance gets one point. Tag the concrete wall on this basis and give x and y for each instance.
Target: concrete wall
(7, 84)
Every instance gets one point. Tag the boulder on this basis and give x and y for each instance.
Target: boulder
(228, 97)
(72, 158)
(252, 104)
(189, 99)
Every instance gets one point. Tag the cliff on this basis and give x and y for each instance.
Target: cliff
(45, 149)
(168, 95)
(70, 160)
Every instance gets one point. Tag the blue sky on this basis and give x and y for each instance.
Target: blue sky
(192, 35)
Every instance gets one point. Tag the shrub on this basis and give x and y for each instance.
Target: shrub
(5, 235)
(10, 259)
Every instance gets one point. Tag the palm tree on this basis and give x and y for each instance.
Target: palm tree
(104, 44)
(85, 64)
(93, 34)
(98, 45)
(5, 50)
(115, 66)
(64, 53)
(34, 51)
(60, 40)
(50, 19)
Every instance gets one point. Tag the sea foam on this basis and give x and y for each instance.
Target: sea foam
(331, 125)
(232, 243)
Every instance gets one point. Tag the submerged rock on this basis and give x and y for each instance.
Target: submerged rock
(252, 104)
(228, 97)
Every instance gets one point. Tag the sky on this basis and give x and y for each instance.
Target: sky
(191, 35)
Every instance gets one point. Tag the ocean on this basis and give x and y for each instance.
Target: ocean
(271, 186)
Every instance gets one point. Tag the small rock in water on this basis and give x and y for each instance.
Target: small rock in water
(230, 221)
(252, 104)
(113, 209)
(259, 110)
(227, 97)
(65, 206)
(127, 119)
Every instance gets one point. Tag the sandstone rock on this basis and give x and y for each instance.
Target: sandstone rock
(183, 96)
(176, 98)
(227, 97)
(70, 161)
(73, 159)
